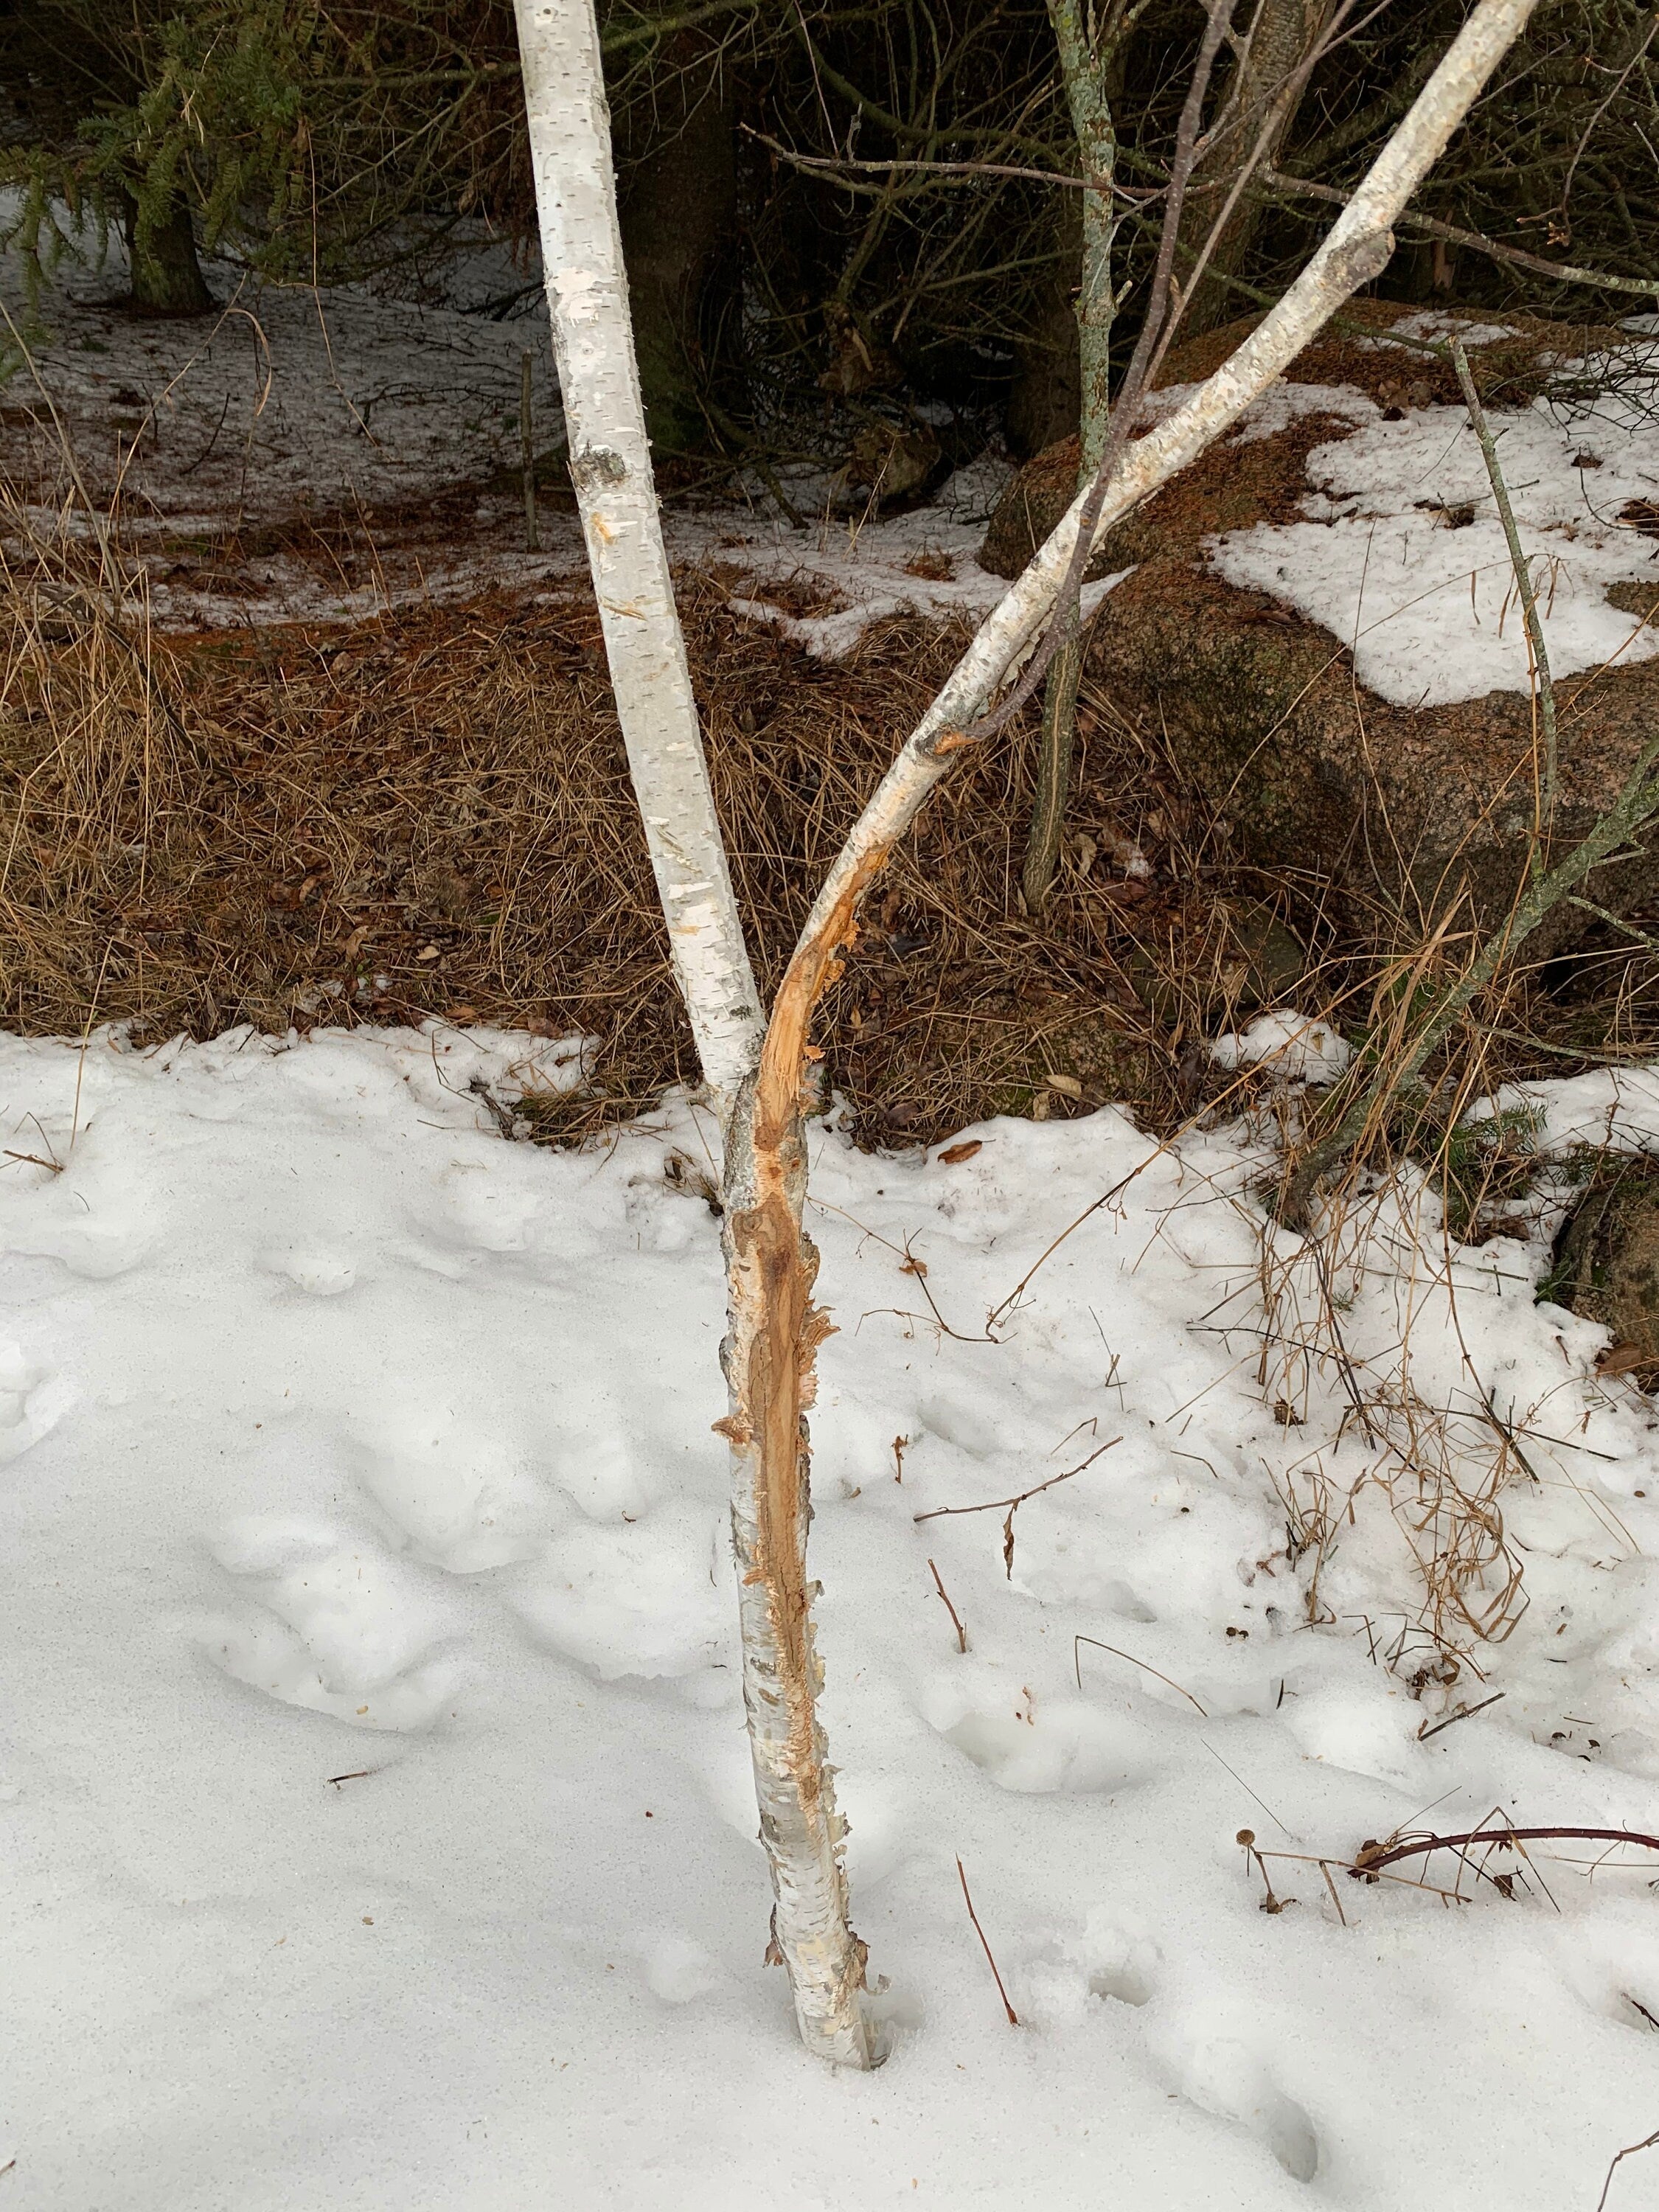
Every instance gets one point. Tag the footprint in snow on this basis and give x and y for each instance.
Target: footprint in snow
(652, 1600)
(1032, 1744)
(330, 1624)
(449, 1492)
(1222, 2075)
(32, 1402)
(319, 1272)
(678, 1968)
(1102, 1964)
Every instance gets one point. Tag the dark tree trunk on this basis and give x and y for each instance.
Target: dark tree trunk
(1045, 391)
(678, 214)
(166, 277)
(1283, 33)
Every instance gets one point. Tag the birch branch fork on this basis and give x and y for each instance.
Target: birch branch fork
(610, 467)
(1355, 249)
(774, 1326)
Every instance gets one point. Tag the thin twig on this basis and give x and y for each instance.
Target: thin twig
(1629, 2151)
(1543, 688)
(1563, 272)
(1077, 1664)
(86, 1039)
(1013, 2017)
(839, 163)
(1013, 1504)
(956, 1621)
(1249, 1792)
(1368, 1861)
(1463, 1713)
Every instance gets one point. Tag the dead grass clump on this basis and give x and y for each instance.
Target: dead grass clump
(430, 815)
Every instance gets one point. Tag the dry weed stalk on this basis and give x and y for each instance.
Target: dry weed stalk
(1442, 1467)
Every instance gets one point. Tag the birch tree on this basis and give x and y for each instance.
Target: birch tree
(610, 467)
(754, 1070)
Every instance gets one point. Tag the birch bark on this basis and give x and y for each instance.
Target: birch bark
(610, 467)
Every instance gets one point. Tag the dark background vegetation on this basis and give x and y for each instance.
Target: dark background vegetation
(780, 306)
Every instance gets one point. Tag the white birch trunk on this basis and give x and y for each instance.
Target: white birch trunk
(610, 467)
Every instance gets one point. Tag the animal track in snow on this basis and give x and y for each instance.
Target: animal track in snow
(452, 1495)
(482, 1207)
(633, 1600)
(1222, 2075)
(32, 1402)
(1121, 1967)
(1102, 1963)
(1026, 1744)
(678, 1968)
(315, 1269)
(330, 1626)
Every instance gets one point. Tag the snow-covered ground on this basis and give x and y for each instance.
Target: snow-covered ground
(296, 408)
(377, 1826)
(293, 409)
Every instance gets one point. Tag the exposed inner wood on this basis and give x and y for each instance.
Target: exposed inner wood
(779, 1266)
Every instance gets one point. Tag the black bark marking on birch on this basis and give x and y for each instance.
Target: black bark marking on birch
(595, 466)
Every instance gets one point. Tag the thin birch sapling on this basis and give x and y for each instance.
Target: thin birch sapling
(755, 1071)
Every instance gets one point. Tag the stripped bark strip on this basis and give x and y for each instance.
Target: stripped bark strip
(773, 1332)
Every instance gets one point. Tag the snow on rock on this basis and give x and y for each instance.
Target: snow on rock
(377, 1824)
(1300, 1050)
(1400, 555)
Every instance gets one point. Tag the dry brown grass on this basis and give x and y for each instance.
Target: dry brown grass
(430, 814)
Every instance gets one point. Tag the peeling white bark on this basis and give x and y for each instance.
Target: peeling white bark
(610, 467)
(773, 1331)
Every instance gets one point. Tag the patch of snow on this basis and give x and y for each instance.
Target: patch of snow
(1615, 1108)
(230, 443)
(378, 1826)
(1301, 1051)
(873, 572)
(1436, 324)
(1401, 557)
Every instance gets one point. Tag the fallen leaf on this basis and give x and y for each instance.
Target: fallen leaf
(954, 1155)
(1622, 1359)
(1067, 1085)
